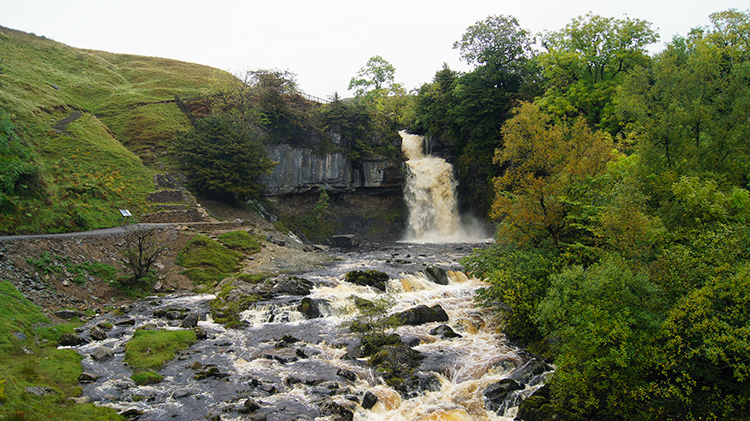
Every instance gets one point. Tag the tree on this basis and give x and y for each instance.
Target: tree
(142, 249)
(584, 62)
(268, 100)
(688, 112)
(377, 75)
(601, 322)
(498, 41)
(551, 171)
(222, 159)
(703, 363)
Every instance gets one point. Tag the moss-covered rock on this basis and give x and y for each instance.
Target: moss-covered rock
(370, 278)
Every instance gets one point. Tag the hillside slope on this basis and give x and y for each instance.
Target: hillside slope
(81, 131)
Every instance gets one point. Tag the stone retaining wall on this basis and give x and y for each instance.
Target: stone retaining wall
(194, 214)
(165, 196)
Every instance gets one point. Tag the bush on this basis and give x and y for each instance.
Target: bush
(703, 362)
(601, 322)
(519, 279)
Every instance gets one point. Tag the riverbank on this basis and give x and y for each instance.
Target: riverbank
(56, 286)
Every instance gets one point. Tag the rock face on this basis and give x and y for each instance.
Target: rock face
(300, 170)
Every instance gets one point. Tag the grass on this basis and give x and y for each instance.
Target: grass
(207, 260)
(147, 377)
(33, 362)
(102, 161)
(240, 240)
(46, 263)
(150, 349)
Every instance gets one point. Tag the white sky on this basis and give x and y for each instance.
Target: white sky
(324, 42)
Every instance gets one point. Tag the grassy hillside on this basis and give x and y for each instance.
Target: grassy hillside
(82, 172)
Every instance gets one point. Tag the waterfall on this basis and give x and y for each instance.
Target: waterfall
(430, 195)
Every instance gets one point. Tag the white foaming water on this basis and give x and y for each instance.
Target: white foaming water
(300, 377)
(430, 195)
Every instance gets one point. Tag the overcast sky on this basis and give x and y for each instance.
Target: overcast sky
(324, 42)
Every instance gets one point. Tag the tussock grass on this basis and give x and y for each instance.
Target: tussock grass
(240, 240)
(151, 349)
(207, 260)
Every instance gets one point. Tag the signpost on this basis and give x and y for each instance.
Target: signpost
(125, 216)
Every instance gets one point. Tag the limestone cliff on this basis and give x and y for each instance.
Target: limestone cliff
(301, 170)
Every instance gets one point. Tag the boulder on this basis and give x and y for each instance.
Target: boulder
(308, 308)
(445, 332)
(87, 377)
(347, 240)
(336, 411)
(68, 314)
(369, 400)
(421, 314)
(249, 406)
(370, 278)
(71, 339)
(526, 374)
(102, 353)
(40, 390)
(292, 285)
(190, 321)
(98, 334)
(496, 393)
(437, 275)
(538, 407)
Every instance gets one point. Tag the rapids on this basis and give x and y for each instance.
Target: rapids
(299, 380)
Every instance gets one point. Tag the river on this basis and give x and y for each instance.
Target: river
(304, 378)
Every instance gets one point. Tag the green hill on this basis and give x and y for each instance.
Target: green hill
(81, 131)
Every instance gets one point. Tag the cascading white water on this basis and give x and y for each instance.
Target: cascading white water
(430, 195)
(295, 380)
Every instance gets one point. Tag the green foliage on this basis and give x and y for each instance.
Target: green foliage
(551, 176)
(352, 120)
(240, 240)
(147, 377)
(601, 322)
(519, 279)
(584, 62)
(31, 362)
(18, 171)
(703, 370)
(207, 260)
(222, 159)
(46, 263)
(312, 225)
(376, 75)
(151, 349)
(498, 41)
(631, 267)
(226, 308)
